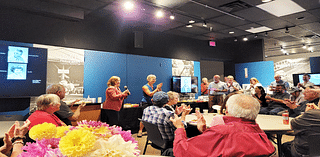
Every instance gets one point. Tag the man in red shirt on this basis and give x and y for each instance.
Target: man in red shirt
(239, 135)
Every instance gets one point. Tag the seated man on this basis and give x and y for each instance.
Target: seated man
(276, 101)
(158, 114)
(309, 96)
(240, 135)
(65, 114)
(278, 81)
(303, 126)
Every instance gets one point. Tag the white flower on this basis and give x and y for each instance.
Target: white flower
(114, 147)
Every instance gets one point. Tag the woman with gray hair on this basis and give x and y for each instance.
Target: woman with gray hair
(47, 104)
(148, 91)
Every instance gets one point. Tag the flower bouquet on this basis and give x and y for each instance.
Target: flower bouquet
(87, 139)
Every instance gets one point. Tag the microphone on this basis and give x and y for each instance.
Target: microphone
(126, 88)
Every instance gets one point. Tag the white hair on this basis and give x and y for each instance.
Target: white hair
(151, 76)
(243, 106)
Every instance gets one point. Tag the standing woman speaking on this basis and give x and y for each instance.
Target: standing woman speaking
(148, 91)
(113, 102)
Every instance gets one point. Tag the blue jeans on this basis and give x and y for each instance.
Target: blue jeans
(271, 111)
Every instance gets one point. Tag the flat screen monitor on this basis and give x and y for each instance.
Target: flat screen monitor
(185, 84)
(23, 71)
(314, 78)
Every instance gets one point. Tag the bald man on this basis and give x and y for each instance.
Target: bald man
(216, 91)
(278, 81)
(240, 133)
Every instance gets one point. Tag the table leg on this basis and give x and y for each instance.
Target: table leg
(279, 137)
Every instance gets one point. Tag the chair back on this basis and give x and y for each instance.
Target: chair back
(154, 134)
(314, 145)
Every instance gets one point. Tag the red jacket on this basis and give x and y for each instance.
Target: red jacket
(39, 117)
(237, 137)
(114, 98)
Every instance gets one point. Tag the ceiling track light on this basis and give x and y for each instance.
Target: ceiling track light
(204, 24)
(304, 46)
(245, 39)
(287, 30)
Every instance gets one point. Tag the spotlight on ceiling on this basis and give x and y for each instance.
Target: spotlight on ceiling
(286, 53)
(128, 5)
(189, 26)
(192, 21)
(310, 49)
(304, 46)
(245, 39)
(235, 40)
(287, 30)
(255, 36)
(172, 16)
(281, 48)
(204, 24)
(159, 14)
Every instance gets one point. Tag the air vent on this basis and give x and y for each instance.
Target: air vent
(312, 36)
(235, 6)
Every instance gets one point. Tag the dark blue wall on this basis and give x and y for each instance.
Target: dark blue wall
(314, 64)
(98, 68)
(263, 71)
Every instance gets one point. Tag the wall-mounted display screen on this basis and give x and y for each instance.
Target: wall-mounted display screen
(23, 71)
(185, 84)
(314, 78)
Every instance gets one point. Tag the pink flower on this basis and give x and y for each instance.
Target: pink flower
(44, 147)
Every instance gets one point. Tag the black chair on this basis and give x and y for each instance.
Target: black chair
(314, 145)
(155, 138)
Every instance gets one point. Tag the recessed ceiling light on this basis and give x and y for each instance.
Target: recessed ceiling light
(189, 26)
(245, 39)
(281, 7)
(171, 17)
(259, 29)
(231, 32)
(191, 21)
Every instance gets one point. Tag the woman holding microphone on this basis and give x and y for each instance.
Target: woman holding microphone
(148, 91)
(113, 102)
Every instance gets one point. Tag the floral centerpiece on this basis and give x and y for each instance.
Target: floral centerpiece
(87, 139)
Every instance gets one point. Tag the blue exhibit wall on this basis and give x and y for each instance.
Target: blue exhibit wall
(197, 73)
(263, 71)
(314, 64)
(132, 69)
(139, 67)
(98, 68)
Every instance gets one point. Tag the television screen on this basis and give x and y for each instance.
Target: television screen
(314, 78)
(185, 84)
(23, 71)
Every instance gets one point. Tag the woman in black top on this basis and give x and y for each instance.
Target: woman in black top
(260, 95)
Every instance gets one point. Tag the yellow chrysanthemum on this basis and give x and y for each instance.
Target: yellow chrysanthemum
(101, 132)
(77, 143)
(44, 130)
(62, 131)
